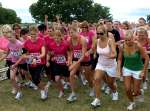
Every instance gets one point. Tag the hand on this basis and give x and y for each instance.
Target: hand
(46, 17)
(69, 63)
(118, 72)
(143, 75)
(13, 66)
(47, 64)
(34, 61)
(87, 54)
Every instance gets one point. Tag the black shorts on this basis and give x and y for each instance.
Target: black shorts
(60, 70)
(23, 66)
(49, 69)
(36, 73)
(94, 61)
(8, 64)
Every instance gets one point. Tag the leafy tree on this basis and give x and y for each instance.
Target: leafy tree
(69, 10)
(8, 16)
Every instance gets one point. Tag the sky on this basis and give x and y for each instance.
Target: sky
(121, 10)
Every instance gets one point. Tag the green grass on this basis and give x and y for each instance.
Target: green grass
(31, 100)
(2, 64)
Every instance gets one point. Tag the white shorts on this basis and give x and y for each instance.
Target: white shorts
(134, 74)
(111, 71)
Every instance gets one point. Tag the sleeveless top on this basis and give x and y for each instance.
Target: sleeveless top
(103, 59)
(133, 61)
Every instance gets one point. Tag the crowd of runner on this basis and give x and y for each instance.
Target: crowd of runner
(97, 54)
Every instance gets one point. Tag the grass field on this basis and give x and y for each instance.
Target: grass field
(31, 100)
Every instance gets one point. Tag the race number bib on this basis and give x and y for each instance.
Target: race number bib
(34, 56)
(77, 54)
(15, 53)
(60, 59)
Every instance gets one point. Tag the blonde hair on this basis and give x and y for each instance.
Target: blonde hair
(142, 30)
(6, 28)
(127, 49)
(33, 29)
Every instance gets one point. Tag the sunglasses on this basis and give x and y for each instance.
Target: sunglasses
(101, 33)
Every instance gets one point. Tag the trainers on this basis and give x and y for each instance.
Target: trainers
(92, 93)
(43, 95)
(32, 85)
(107, 90)
(72, 97)
(13, 91)
(66, 85)
(131, 106)
(145, 85)
(18, 95)
(61, 94)
(27, 84)
(96, 102)
(115, 96)
(103, 87)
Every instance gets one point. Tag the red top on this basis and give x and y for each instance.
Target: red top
(59, 52)
(34, 49)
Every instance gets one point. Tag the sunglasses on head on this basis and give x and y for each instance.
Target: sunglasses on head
(101, 33)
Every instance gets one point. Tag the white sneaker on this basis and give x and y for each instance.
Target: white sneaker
(107, 90)
(43, 95)
(145, 85)
(96, 102)
(27, 84)
(103, 87)
(92, 93)
(32, 85)
(66, 85)
(115, 96)
(131, 106)
(18, 95)
(61, 94)
(13, 91)
(72, 97)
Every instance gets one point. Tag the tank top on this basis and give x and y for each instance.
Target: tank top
(133, 62)
(103, 59)
(77, 49)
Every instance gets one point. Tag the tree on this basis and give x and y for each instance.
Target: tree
(148, 18)
(8, 16)
(69, 10)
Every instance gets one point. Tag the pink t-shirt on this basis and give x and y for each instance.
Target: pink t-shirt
(34, 49)
(15, 51)
(3, 43)
(59, 52)
(88, 36)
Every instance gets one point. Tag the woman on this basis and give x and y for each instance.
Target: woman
(35, 53)
(106, 65)
(133, 69)
(142, 38)
(13, 53)
(59, 54)
(89, 37)
(78, 47)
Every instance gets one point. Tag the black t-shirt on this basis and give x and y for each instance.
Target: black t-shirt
(116, 34)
